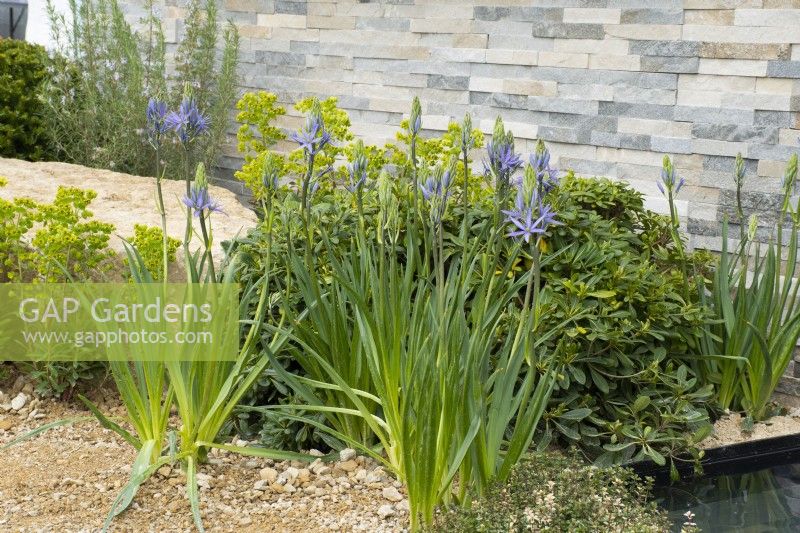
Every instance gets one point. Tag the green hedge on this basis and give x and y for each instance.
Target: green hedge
(23, 68)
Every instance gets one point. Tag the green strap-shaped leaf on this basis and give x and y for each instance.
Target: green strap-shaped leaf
(192, 492)
(110, 424)
(41, 429)
(138, 470)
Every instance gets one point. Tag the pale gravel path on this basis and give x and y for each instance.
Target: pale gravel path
(65, 480)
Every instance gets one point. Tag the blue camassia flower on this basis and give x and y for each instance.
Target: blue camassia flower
(199, 201)
(530, 217)
(269, 179)
(313, 137)
(415, 120)
(502, 159)
(416, 125)
(437, 187)
(187, 122)
(357, 174)
(669, 181)
(156, 120)
(546, 176)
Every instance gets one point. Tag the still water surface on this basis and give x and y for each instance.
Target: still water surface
(755, 502)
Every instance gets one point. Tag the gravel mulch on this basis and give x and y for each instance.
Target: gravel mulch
(729, 430)
(66, 479)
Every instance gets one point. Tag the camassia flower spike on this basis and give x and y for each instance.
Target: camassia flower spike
(670, 182)
(157, 125)
(530, 216)
(187, 122)
(198, 199)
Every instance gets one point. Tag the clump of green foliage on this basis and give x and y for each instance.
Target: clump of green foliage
(107, 71)
(336, 219)
(68, 243)
(628, 388)
(257, 135)
(16, 219)
(54, 242)
(149, 241)
(753, 294)
(403, 345)
(60, 379)
(554, 492)
(23, 69)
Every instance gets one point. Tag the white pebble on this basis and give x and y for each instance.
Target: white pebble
(347, 454)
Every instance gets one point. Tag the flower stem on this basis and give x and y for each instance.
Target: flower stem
(162, 211)
(207, 241)
(414, 170)
(465, 199)
(186, 176)
(676, 238)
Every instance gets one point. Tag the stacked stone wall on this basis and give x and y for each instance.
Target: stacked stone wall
(611, 85)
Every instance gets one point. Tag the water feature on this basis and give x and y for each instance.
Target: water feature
(765, 500)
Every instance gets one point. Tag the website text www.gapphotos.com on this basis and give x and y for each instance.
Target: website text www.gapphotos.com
(79, 339)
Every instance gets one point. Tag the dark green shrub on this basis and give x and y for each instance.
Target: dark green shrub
(23, 68)
(553, 492)
(627, 389)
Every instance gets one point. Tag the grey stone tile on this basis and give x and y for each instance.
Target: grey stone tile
(589, 167)
(280, 58)
(703, 227)
(291, 7)
(562, 105)
(782, 119)
(353, 102)
(304, 47)
(736, 132)
(721, 163)
(680, 65)
(651, 111)
(568, 31)
(503, 100)
(633, 4)
(480, 98)
(652, 16)
(671, 145)
(383, 23)
(437, 81)
(665, 48)
(774, 152)
(783, 69)
(714, 115)
(594, 123)
(519, 13)
(563, 135)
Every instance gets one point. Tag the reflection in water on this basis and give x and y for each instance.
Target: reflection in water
(763, 501)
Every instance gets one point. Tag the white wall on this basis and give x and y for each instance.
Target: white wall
(38, 29)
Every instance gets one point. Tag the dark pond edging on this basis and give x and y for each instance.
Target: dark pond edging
(736, 458)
